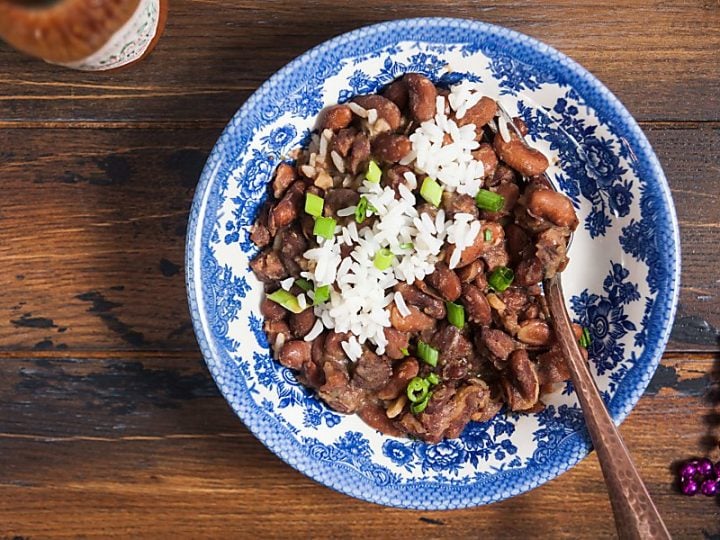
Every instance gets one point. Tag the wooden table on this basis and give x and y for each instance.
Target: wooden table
(110, 425)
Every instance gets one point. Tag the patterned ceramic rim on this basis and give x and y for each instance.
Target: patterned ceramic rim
(569, 450)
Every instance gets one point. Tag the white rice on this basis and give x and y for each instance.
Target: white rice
(338, 161)
(401, 305)
(357, 109)
(361, 293)
(287, 283)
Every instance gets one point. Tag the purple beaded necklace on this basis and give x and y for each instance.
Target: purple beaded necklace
(699, 475)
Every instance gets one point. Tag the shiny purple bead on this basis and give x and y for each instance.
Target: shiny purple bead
(688, 470)
(709, 488)
(705, 467)
(689, 487)
(717, 469)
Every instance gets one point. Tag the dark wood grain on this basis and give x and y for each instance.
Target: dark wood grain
(119, 446)
(110, 426)
(659, 57)
(106, 228)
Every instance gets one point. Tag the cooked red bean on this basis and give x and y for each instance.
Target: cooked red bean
(535, 332)
(335, 117)
(398, 343)
(386, 109)
(468, 273)
(421, 94)
(417, 321)
(272, 311)
(527, 161)
(397, 92)
(487, 155)
(301, 323)
(498, 343)
(553, 206)
(391, 148)
(360, 153)
(479, 114)
(445, 281)
(476, 305)
(343, 140)
(295, 353)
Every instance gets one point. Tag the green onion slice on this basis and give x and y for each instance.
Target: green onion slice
(431, 191)
(417, 389)
(286, 300)
(322, 294)
(455, 314)
(314, 204)
(420, 406)
(304, 284)
(373, 173)
(432, 379)
(427, 354)
(361, 209)
(585, 339)
(405, 351)
(406, 245)
(383, 259)
(487, 200)
(488, 235)
(325, 227)
(501, 278)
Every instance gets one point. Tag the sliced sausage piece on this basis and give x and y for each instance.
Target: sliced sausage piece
(285, 175)
(268, 267)
(287, 209)
(372, 371)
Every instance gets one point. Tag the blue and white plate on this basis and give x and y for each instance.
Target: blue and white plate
(622, 281)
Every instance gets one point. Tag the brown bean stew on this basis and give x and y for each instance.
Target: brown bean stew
(473, 334)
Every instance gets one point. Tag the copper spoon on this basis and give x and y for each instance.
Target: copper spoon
(636, 516)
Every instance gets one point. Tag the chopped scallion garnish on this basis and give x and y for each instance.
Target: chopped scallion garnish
(431, 191)
(420, 406)
(314, 204)
(361, 209)
(405, 351)
(286, 300)
(374, 173)
(325, 227)
(427, 354)
(585, 338)
(406, 245)
(501, 278)
(383, 259)
(322, 294)
(488, 235)
(433, 379)
(417, 389)
(304, 284)
(455, 314)
(487, 200)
